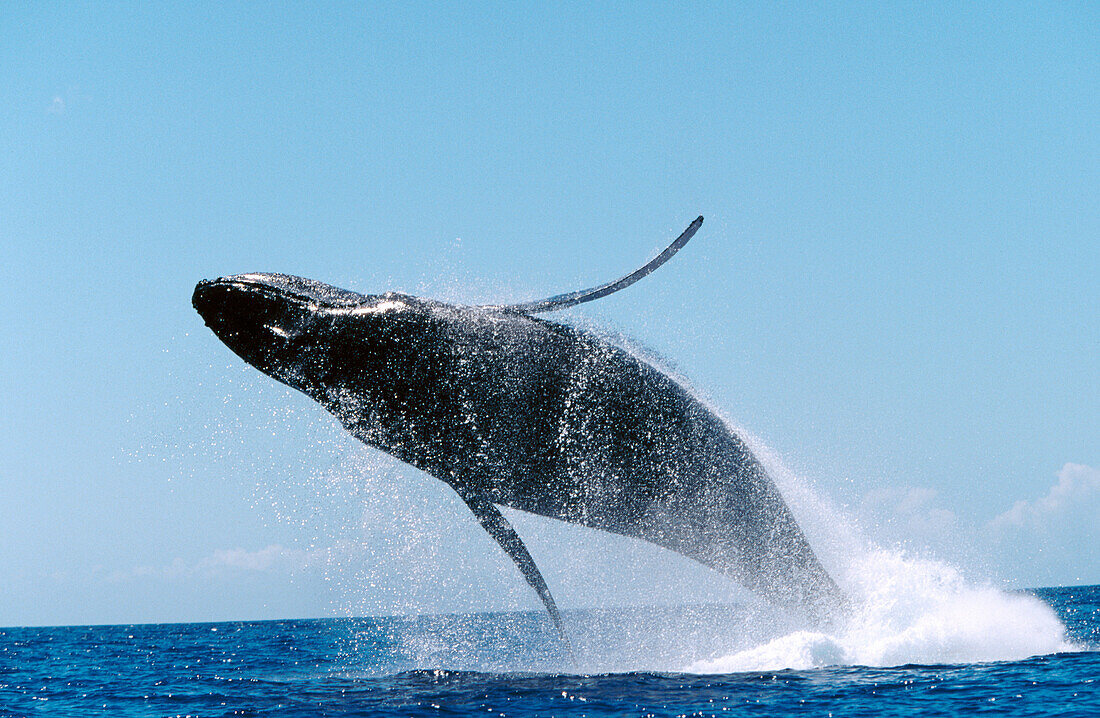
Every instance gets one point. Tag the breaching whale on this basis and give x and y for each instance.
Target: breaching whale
(513, 410)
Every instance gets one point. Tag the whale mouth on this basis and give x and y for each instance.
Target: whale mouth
(255, 314)
(236, 310)
(246, 308)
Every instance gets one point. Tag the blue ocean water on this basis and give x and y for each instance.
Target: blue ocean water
(509, 664)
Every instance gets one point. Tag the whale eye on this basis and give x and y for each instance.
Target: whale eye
(277, 330)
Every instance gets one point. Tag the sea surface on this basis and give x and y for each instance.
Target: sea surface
(682, 661)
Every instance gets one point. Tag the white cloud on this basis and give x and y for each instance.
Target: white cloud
(273, 558)
(1049, 540)
(1076, 484)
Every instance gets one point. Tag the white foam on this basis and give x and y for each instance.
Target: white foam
(911, 611)
(905, 609)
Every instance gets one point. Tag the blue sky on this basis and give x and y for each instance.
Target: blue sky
(896, 287)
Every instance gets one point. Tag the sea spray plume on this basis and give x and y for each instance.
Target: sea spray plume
(509, 409)
(911, 611)
(904, 608)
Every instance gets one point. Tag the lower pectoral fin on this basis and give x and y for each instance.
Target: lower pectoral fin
(500, 529)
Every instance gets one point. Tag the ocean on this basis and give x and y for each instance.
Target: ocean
(709, 660)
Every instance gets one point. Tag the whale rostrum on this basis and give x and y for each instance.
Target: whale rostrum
(510, 409)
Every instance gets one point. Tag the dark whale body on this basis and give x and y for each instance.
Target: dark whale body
(513, 410)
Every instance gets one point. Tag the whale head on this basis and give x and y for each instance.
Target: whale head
(361, 356)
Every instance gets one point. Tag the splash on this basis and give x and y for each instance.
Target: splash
(906, 610)
(911, 611)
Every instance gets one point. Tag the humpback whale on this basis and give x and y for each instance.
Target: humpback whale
(510, 409)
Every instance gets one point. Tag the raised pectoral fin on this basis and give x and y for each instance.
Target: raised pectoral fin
(570, 299)
(499, 528)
